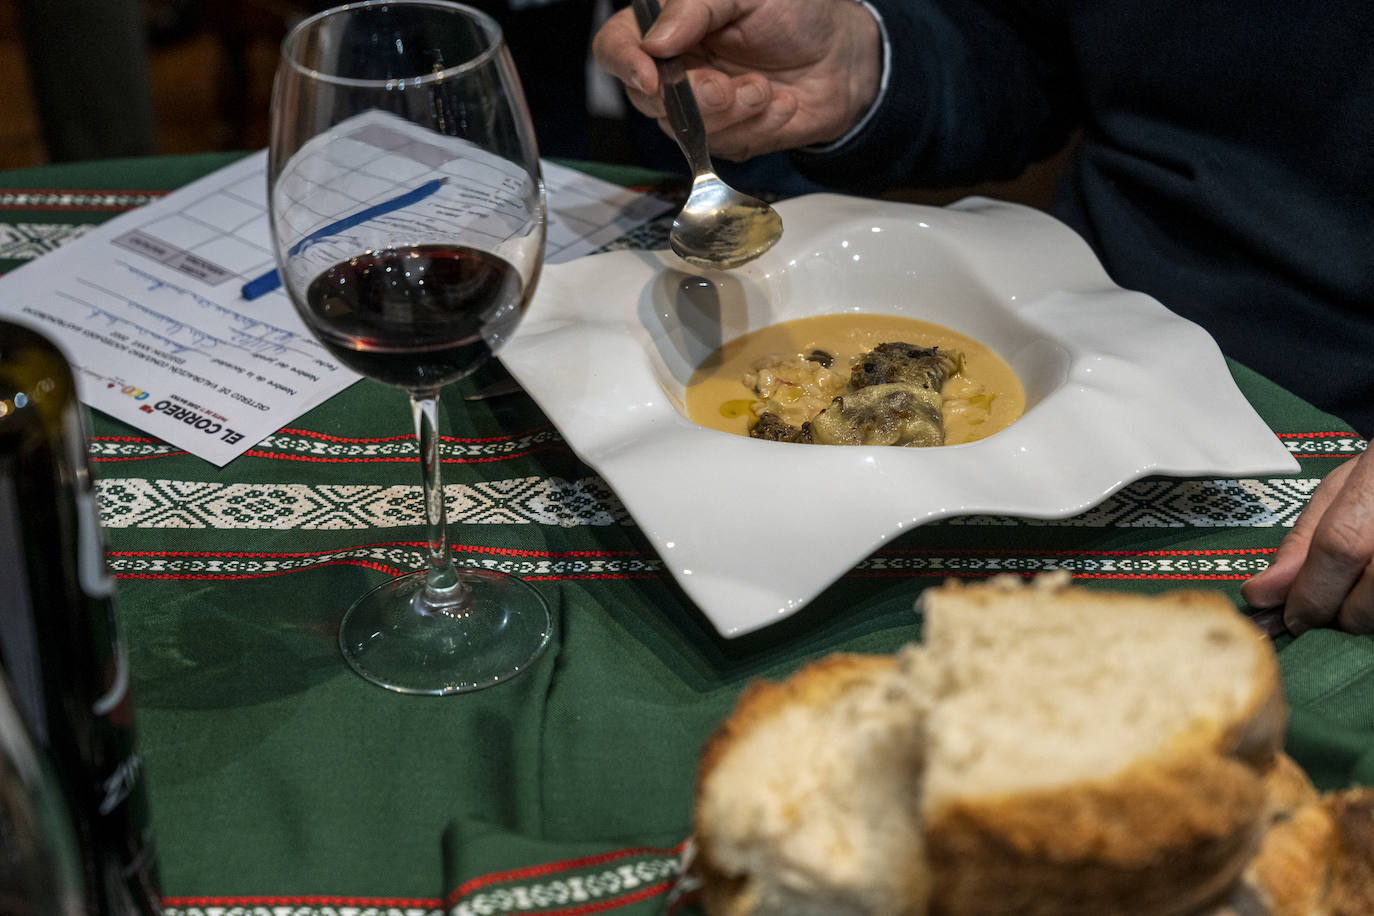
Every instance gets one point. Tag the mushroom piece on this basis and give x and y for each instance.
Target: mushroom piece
(925, 367)
(888, 414)
(772, 427)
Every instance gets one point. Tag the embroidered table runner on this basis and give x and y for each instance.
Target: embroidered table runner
(280, 782)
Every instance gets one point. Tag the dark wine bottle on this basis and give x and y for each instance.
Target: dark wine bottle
(40, 872)
(60, 647)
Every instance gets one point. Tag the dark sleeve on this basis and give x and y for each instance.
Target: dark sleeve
(977, 90)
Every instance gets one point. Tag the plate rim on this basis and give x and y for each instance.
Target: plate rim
(558, 321)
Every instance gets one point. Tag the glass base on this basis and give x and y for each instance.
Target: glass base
(491, 628)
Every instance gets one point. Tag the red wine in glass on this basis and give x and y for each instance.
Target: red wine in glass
(419, 316)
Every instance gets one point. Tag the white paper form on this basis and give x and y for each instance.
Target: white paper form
(148, 306)
(377, 180)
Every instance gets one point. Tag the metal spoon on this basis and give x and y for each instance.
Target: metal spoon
(718, 226)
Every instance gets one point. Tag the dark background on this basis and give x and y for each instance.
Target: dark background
(207, 70)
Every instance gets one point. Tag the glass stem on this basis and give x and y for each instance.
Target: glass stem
(442, 588)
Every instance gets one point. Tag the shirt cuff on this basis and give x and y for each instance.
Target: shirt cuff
(877, 100)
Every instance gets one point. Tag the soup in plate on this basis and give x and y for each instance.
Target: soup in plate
(856, 379)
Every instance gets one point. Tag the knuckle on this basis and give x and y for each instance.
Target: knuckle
(1341, 544)
(1293, 539)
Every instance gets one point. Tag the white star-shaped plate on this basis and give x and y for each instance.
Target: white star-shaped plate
(1117, 388)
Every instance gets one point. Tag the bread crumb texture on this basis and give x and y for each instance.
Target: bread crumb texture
(1048, 749)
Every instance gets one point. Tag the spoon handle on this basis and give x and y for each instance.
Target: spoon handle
(681, 104)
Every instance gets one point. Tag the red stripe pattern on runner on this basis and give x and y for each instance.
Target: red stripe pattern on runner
(280, 456)
(1330, 444)
(392, 558)
(570, 887)
(418, 545)
(287, 430)
(1123, 565)
(306, 446)
(167, 453)
(313, 900)
(346, 906)
(295, 444)
(548, 868)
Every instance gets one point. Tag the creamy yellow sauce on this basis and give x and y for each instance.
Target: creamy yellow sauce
(984, 397)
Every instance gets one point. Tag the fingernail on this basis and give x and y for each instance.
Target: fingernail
(710, 95)
(660, 31)
(750, 94)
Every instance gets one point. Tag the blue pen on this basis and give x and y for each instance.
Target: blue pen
(269, 281)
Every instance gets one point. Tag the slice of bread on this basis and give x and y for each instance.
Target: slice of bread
(808, 799)
(1048, 749)
(1317, 856)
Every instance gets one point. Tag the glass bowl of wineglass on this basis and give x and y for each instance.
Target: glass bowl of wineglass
(407, 214)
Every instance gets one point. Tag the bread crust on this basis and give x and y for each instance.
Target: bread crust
(1317, 858)
(818, 683)
(1168, 834)
(1289, 874)
(1165, 835)
(1352, 884)
(1159, 838)
(1287, 788)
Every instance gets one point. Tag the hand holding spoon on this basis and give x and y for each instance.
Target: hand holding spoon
(718, 227)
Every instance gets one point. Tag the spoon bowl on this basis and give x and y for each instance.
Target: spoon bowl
(718, 226)
(721, 227)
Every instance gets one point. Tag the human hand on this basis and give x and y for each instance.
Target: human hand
(767, 74)
(1323, 572)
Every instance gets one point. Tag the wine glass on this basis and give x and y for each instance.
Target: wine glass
(408, 218)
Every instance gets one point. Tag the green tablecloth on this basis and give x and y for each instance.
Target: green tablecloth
(280, 779)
